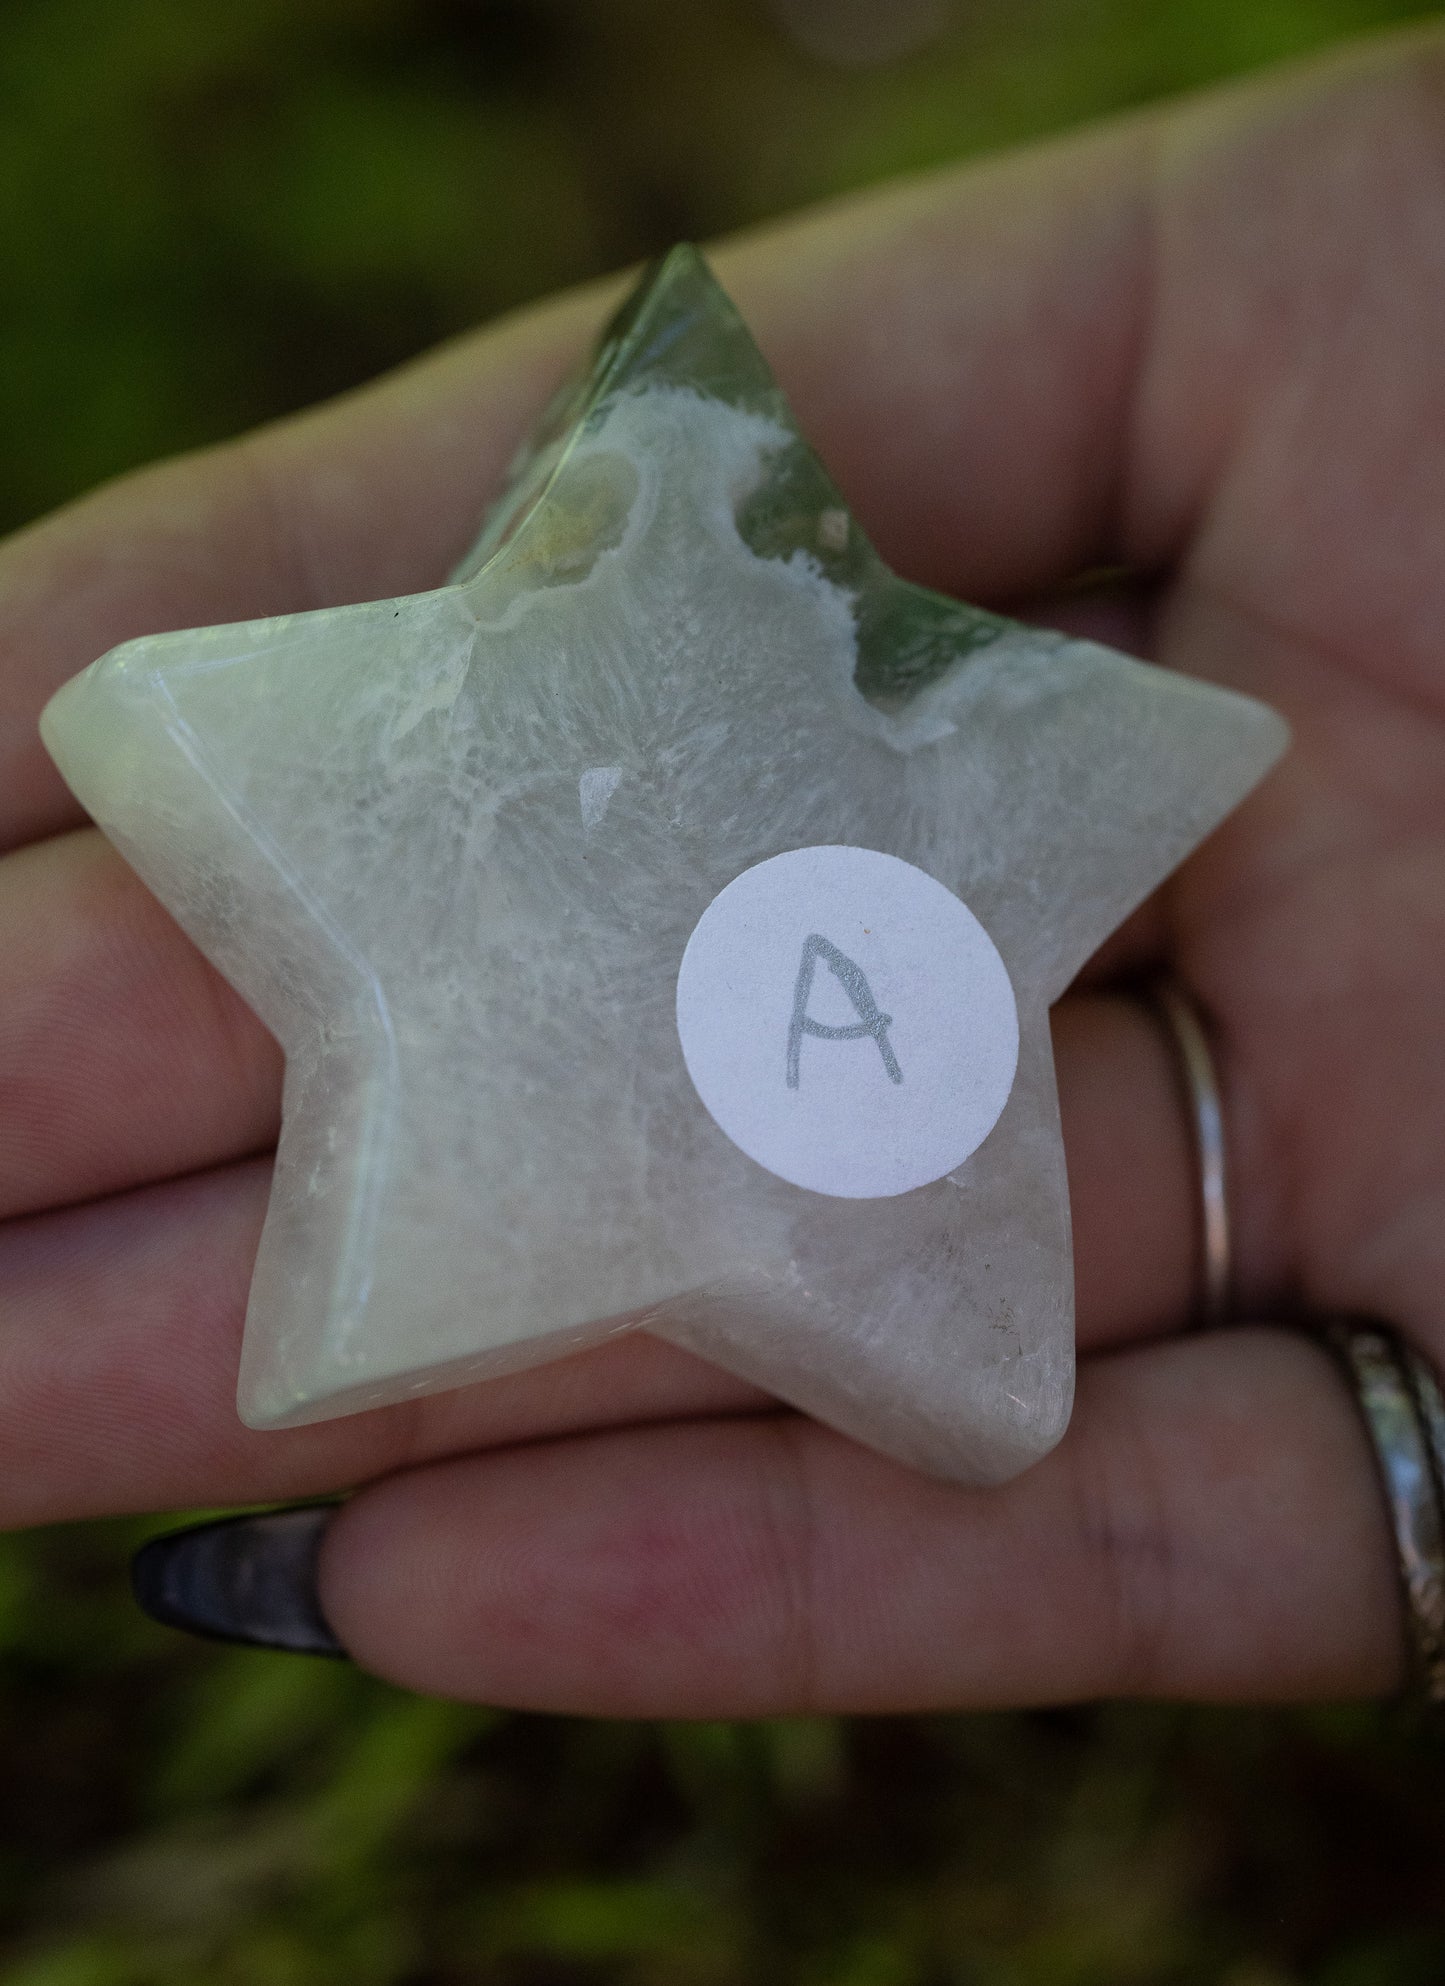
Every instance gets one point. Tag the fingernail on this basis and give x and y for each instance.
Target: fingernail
(249, 1579)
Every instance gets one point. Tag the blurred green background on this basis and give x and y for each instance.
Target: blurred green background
(210, 214)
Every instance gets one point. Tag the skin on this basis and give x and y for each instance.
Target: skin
(1202, 346)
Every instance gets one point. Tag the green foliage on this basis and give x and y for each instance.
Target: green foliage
(172, 1813)
(209, 215)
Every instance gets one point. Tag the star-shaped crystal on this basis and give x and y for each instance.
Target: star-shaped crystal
(452, 848)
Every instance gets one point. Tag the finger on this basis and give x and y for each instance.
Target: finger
(969, 468)
(124, 1056)
(1015, 371)
(1133, 1189)
(120, 1321)
(120, 1330)
(375, 494)
(1210, 1528)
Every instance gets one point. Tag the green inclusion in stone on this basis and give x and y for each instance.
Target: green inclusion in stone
(680, 329)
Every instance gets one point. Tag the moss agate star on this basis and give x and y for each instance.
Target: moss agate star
(660, 921)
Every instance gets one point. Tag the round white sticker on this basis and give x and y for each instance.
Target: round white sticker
(847, 1021)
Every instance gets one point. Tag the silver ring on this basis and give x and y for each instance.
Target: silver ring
(1430, 1402)
(1404, 1415)
(1201, 1084)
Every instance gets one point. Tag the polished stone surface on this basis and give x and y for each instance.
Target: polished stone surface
(451, 848)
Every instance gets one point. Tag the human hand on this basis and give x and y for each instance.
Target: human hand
(1200, 346)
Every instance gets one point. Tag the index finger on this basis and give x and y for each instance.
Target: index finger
(958, 350)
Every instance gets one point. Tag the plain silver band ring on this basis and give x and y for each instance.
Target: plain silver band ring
(1201, 1083)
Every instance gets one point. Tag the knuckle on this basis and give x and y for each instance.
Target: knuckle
(1127, 1540)
(788, 1539)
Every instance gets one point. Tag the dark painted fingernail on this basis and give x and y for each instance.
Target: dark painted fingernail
(249, 1579)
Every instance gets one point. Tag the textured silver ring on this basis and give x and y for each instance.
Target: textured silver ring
(1186, 1031)
(1400, 1402)
(1430, 1400)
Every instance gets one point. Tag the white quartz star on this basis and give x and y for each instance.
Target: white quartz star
(452, 848)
